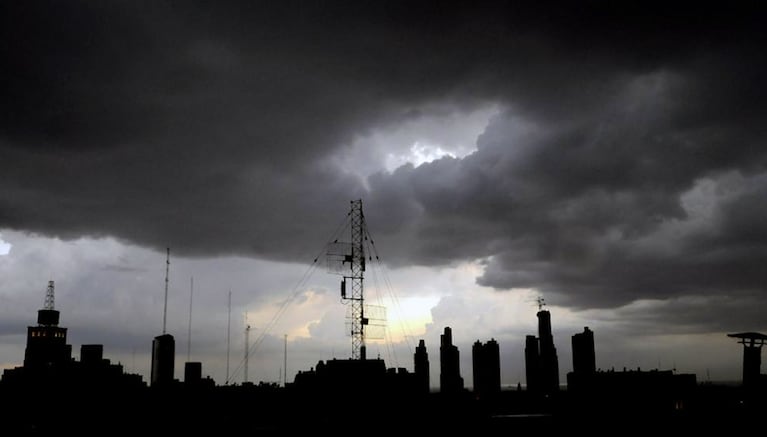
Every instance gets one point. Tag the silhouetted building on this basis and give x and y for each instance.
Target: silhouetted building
(49, 368)
(97, 373)
(357, 389)
(752, 356)
(192, 372)
(631, 391)
(542, 364)
(584, 362)
(476, 366)
(450, 380)
(47, 342)
(421, 367)
(163, 359)
(91, 354)
(628, 391)
(549, 363)
(341, 377)
(486, 362)
(584, 357)
(532, 363)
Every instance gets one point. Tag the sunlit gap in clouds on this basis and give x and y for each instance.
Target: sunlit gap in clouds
(422, 153)
(436, 136)
(434, 133)
(408, 317)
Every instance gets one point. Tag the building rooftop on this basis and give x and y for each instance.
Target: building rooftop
(749, 336)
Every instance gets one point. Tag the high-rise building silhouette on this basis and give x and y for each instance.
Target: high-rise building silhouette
(542, 364)
(486, 362)
(47, 342)
(476, 366)
(584, 358)
(421, 368)
(549, 363)
(532, 363)
(583, 379)
(163, 359)
(450, 380)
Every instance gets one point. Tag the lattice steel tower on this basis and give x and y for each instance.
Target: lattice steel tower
(49, 298)
(356, 259)
(357, 268)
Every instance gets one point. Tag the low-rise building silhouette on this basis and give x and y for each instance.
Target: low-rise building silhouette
(633, 391)
(339, 376)
(623, 391)
(192, 372)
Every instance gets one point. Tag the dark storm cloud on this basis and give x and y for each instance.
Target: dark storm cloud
(687, 315)
(586, 210)
(212, 128)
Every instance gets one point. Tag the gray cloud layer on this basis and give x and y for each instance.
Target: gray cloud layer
(216, 130)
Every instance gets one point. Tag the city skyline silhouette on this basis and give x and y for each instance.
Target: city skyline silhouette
(47, 348)
(50, 370)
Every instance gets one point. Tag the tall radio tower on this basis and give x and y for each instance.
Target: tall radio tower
(354, 254)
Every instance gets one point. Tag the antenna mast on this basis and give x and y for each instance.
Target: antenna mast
(285, 363)
(165, 307)
(228, 331)
(189, 330)
(49, 301)
(247, 345)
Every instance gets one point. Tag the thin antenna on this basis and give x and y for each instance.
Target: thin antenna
(247, 345)
(228, 331)
(165, 307)
(285, 362)
(189, 330)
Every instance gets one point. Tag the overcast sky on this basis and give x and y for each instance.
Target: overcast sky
(611, 160)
